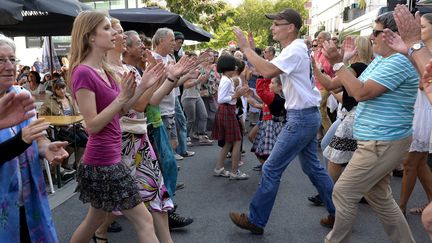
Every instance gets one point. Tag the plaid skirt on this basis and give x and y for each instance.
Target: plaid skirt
(226, 126)
(108, 188)
(266, 137)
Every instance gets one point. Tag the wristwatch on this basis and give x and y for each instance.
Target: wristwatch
(338, 66)
(417, 46)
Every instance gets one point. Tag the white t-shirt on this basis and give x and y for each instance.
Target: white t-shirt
(226, 91)
(297, 86)
(167, 105)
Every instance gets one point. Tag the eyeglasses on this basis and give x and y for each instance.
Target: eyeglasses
(278, 24)
(13, 60)
(376, 32)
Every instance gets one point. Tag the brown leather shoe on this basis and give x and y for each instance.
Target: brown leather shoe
(241, 220)
(328, 221)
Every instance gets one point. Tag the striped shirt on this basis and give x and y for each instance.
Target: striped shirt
(389, 116)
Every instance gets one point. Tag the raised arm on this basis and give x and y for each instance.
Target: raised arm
(355, 88)
(152, 74)
(265, 68)
(410, 32)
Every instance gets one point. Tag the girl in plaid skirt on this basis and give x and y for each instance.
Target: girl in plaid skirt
(226, 126)
(273, 117)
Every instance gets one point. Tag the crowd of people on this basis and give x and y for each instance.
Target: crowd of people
(145, 102)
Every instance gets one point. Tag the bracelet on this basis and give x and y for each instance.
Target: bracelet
(171, 80)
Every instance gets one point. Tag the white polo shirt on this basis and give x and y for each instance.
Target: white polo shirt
(297, 86)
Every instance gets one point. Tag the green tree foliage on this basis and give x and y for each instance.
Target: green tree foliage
(249, 16)
(208, 14)
(218, 18)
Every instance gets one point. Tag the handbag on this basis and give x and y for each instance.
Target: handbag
(133, 125)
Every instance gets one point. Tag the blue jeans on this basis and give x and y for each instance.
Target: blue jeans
(297, 138)
(166, 158)
(181, 128)
(328, 137)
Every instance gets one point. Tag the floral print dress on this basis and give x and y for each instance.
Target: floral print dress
(140, 157)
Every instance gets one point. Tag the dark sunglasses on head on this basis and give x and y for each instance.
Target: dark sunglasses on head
(377, 32)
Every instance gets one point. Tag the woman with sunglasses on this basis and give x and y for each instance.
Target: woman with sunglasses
(60, 103)
(386, 93)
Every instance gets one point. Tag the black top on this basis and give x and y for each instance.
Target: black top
(14, 147)
(349, 102)
(277, 107)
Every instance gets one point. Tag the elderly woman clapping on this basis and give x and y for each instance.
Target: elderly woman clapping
(22, 187)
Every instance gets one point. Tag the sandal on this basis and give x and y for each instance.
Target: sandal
(418, 210)
(97, 238)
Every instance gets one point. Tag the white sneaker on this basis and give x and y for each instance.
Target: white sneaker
(238, 176)
(188, 154)
(178, 157)
(221, 172)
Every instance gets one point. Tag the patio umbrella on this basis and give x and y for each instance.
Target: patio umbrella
(149, 19)
(39, 17)
(10, 11)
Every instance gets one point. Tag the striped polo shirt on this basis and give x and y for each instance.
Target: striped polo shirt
(389, 116)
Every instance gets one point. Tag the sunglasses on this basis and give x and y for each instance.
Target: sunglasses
(279, 24)
(376, 32)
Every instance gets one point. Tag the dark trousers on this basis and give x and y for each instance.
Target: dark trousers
(24, 233)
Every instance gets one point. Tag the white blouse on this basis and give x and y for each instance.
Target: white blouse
(226, 91)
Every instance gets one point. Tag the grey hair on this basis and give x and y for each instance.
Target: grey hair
(129, 35)
(271, 49)
(326, 34)
(4, 40)
(388, 21)
(160, 34)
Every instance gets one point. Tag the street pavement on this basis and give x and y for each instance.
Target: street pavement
(209, 199)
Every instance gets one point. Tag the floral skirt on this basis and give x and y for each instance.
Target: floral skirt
(343, 144)
(266, 137)
(107, 187)
(138, 155)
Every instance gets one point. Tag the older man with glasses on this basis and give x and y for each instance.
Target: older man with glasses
(298, 137)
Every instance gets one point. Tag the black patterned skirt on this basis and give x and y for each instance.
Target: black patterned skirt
(108, 187)
(343, 144)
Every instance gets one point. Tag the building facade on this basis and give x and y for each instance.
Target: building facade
(344, 17)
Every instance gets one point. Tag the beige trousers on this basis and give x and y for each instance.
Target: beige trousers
(325, 120)
(368, 175)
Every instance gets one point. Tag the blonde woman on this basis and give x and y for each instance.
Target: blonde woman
(103, 180)
(358, 54)
(137, 152)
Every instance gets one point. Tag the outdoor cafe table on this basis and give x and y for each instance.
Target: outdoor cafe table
(59, 121)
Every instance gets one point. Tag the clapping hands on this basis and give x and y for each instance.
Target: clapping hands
(15, 108)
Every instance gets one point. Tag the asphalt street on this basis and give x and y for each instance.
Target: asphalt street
(209, 199)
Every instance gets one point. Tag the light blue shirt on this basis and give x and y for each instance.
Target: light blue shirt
(389, 116)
